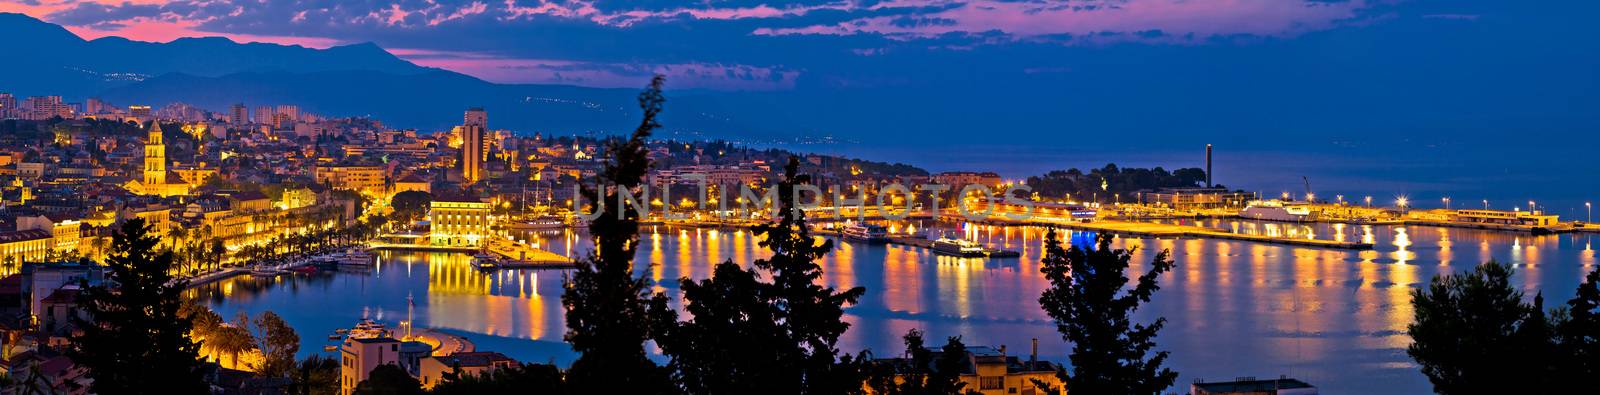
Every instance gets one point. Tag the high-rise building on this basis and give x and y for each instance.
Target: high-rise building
(476, 116)
(472, 144)
(8, 105)
(46, 107)
(264, 115)
(239, 115)
(95, 106)
(288, 114)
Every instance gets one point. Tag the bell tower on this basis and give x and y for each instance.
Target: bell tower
(155, 157)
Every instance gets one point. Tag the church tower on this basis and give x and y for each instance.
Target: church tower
(155, 157)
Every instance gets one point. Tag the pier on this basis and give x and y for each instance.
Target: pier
(1167, 231)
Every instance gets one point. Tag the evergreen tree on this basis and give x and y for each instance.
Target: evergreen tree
(732, 344)
(521, 378)
(811, 314)
(134, 341)
(1472, 333)
(921, 373)
(1579, 334)
(607, 306)
(1093, 308)
(746, 335)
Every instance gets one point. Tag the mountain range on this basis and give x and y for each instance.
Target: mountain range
(351, 80)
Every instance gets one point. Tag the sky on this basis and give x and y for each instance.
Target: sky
(1482, 98)
(735, 44)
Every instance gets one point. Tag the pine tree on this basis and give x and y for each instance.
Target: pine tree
(778, 336)
(607, 306)
(1093, 308)
(134, 340)
(810, 313)
(1472, 334)
(1579, 334)
(732, 344)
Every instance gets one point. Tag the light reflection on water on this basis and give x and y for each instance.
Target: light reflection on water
(1332, 317)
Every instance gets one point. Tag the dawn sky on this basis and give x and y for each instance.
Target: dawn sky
(735, 44)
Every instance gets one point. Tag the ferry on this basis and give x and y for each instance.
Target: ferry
(866, 232)
(1278, 210)
(958, 248)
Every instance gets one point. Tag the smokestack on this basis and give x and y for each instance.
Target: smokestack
(1034, 357)
(1208, 165)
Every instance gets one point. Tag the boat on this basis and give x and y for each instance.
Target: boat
(485, 261)
(539, 223)
(958, 248)
(367, 329)
(352, 258)
(1278, 210)
(265, 272)
(866, 232)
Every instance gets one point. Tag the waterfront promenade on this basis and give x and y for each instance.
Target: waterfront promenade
(1162, 231)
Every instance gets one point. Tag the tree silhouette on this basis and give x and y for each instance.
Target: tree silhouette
(1579, 335)
(1472, 333)
(1093, 307)
(520, 378)
(920, 373)
(389, 379)
(134, 340)
(607, 306)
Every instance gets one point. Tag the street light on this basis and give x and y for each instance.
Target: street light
(1369, 201)
(1402, 202)
(1531, 206)
(1590, 207)
(1447, 203)
(1341, 199)
(1485, 204)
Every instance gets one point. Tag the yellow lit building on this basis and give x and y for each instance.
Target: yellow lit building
(365, 179)
(65, 233)
(21, 246)
(459, 220)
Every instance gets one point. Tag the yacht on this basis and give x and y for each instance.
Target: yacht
(485, 261)
(1278, 210)
(540, 223)
(866, 232)
(958, 247)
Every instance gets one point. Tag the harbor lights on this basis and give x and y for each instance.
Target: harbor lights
(1402, 202)
(1532, 208)
(1485, 204)
(1340, 198)
(1369, 201)
(1446, 202)
(1590, 207)
(1311, 197)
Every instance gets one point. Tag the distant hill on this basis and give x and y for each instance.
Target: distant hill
(44, 58)
(358, 79)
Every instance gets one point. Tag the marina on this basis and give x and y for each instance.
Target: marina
(1332, 316)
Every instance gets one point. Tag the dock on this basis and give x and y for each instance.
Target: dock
(1168, 231)
(515, 255)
